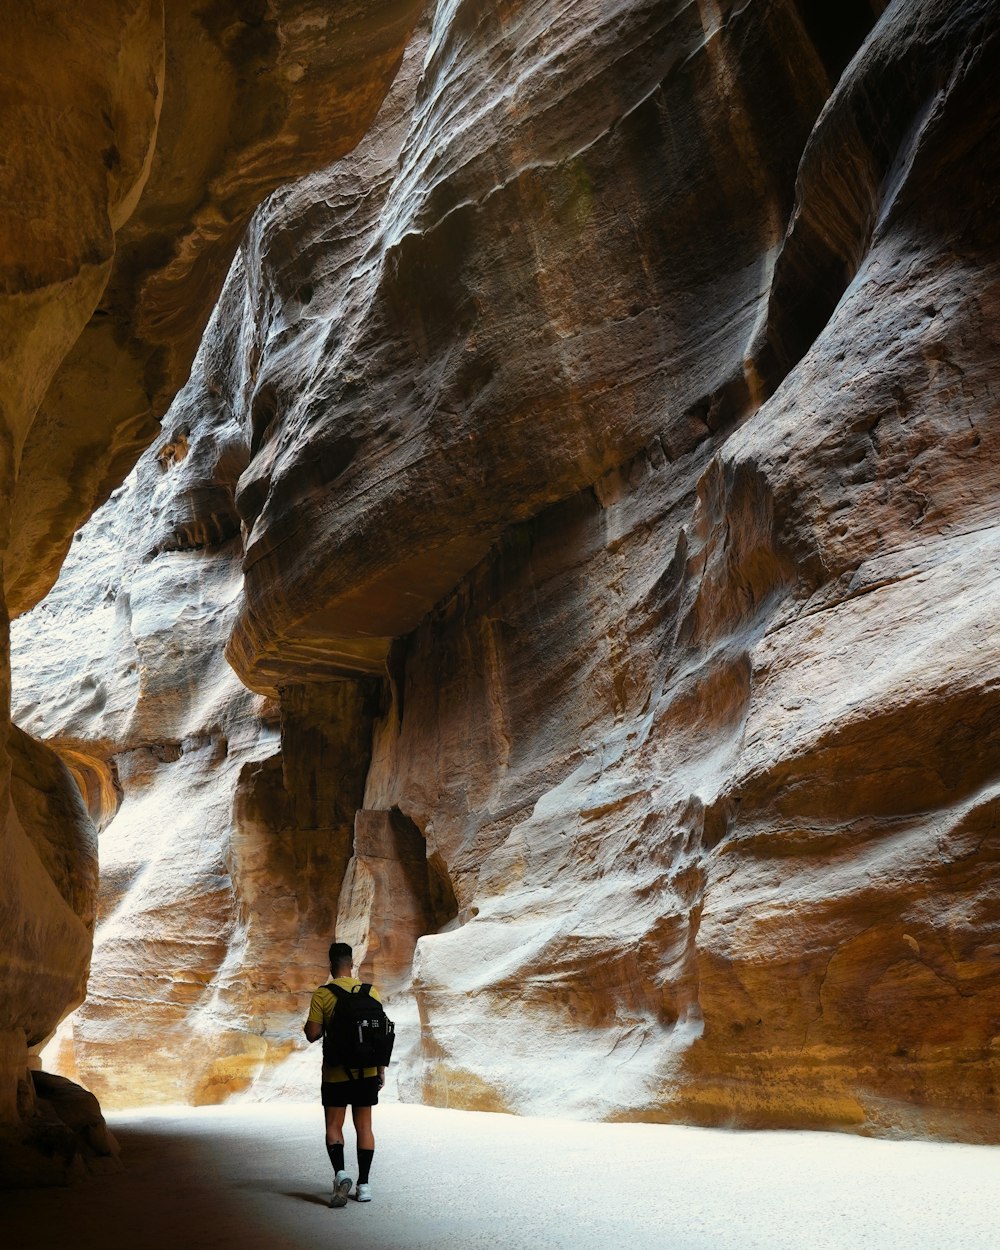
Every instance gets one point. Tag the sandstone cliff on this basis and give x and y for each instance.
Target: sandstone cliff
(610, 456)
(139, 137)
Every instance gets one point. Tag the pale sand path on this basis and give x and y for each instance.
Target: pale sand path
(255, 1178)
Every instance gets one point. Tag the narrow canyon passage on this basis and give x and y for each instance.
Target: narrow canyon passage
(256, 1178)
(512, 488)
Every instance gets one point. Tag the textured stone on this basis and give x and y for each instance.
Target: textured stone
(139, 137)
(227, 832)
(510, 314)
(142, 149)
(618, 427)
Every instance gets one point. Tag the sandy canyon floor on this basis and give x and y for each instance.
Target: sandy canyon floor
(256, 1178)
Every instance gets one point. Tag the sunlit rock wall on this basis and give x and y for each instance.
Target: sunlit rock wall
(226, 817)
(217, 852)
(138, 138)
(699, 319)
(619, 428)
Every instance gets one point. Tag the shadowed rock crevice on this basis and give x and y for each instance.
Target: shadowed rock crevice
(837, 34)
(62, 1136)
(876, 141)
(394, 893)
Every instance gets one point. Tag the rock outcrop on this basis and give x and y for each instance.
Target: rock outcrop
(139, 137)
(612, 468)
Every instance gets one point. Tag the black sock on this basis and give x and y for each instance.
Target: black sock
(336, 1152)
(364, 1165)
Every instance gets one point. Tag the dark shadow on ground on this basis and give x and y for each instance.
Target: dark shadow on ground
(178, 1193)
(304, 1197)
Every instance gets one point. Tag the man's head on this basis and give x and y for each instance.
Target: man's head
(341, 959)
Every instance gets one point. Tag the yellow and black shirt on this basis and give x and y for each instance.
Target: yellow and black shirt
(321, 1009)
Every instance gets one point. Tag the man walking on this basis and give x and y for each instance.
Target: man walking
(341, 1088)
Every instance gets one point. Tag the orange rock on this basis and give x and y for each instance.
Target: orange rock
(616, 470)
(139, 137)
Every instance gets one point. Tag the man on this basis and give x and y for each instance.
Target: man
(341, 1089)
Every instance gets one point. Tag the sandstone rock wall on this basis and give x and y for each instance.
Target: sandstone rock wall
(227, 817)
(217, 848)
(619, 473)
(139, 137)
(146, 133)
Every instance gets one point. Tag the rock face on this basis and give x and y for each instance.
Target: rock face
(213, 856)
(135, 171)
(546, 268)
(226, 817)
(596, 475)
(139, 137)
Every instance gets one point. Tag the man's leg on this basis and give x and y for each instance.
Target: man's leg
(366, 1148)
(335, 1149)
(335, 1136)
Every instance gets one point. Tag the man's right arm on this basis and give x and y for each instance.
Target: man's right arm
(313, 1027)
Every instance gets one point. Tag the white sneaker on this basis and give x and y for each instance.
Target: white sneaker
(341, 1188)
(363, 1193)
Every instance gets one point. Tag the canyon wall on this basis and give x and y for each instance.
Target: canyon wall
(139, 137)
(595, 478)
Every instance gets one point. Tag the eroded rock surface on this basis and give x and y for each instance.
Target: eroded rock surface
(618, 427)
(217, 850)
(570, 239)
(139, 137)
(146, 135)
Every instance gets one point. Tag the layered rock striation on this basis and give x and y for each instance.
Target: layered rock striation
(613, 477)
(139, 137)
(214, 849)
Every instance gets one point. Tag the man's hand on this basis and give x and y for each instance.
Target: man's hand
(313, 1030)
(381, 1078)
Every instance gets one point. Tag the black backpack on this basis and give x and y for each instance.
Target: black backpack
(360, 1035)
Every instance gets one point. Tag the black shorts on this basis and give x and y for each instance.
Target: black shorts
(356, 1092)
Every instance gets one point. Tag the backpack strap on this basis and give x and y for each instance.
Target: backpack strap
(339, 993)
(364, 988)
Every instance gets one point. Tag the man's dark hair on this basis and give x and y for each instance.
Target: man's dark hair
(340, 953)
